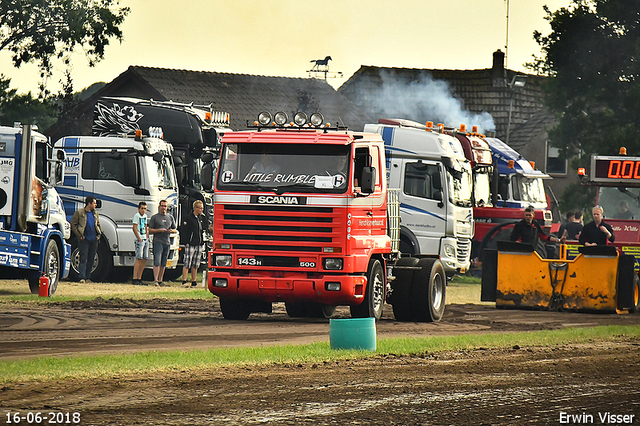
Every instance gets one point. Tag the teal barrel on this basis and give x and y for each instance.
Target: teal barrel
(353, 333)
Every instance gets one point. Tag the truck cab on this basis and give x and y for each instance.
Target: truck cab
(436, 199)
(120, 172)
(33, 226)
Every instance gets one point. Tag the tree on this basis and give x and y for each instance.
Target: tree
(25, 108)
(593, 58)
(41, 30)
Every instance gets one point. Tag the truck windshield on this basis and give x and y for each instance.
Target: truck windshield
(620, 204)
(482, 189)
(162, 173)
(278, 167)
(530, 190)
(460, 189)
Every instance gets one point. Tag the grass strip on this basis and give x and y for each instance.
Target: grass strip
(48, 368)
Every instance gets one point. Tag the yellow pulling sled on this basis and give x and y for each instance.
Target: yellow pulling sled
(599, 279)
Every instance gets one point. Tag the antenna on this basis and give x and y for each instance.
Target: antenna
(321, 68)
(506, 43)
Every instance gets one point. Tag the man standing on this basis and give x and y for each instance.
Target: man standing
(530, 232)
(85, 225)
(193, 225)
(574, 227)
(597, 233)
(141, 231)
(161, 225)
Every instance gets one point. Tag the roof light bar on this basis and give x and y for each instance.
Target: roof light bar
(316, 119)
(264, 118)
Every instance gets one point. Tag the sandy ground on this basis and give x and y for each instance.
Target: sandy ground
(595, 383)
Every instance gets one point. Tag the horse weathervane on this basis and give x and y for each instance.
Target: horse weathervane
(321, 66)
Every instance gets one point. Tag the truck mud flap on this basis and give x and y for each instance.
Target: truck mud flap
(489, 275)
(626, 282)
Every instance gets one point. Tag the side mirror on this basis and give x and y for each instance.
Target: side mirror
(368, 180)
(58, 173)
(206, 176)
(436, 181)
(438, 197)
(210, 137)
(207, 157)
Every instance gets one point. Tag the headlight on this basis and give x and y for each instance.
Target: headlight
(332, 263)
(316, 119)
(220, 282)
(300, 119)
(280, 118)
(332, 286)
(264, 118)
(449, 250)
(223, 260)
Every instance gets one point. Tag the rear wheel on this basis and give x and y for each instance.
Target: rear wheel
(296, 309)
(428, 291)
(401, 286)
(233, 309)
(373, 302)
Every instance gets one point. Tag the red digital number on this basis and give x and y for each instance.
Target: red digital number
(626, 169)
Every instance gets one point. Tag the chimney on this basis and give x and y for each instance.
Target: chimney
(498, 74)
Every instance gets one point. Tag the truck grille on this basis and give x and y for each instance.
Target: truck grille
(464, 250)
(278, 228)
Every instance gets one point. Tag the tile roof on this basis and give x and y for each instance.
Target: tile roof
(243, 96)
(430, 95)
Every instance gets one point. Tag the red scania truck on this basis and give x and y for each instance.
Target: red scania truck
(303, 216)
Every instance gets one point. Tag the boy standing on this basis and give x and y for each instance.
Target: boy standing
(141, 231)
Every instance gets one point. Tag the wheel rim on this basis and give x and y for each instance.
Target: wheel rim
(378, 290)
(437, 292)
(52, 270)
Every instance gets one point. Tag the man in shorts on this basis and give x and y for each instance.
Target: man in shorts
(161, 226)
(193, 226)
(141, 231)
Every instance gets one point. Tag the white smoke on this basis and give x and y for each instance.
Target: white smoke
(425, 99)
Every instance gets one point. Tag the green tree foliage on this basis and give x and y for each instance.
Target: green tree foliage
(25, 108)
(41, 30)
(593, 56)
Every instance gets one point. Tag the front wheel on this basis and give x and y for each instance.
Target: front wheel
(233, 309)
(428, 291)
(52, 269)
(373, 302)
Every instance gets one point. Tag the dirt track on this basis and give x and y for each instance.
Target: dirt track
(500, 387)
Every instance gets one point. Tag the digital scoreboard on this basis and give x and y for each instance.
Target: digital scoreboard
(619, 169)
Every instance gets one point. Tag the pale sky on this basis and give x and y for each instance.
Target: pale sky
(280, 38)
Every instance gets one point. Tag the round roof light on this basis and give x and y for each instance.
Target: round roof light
(264, 118)
(300, 119)
(316, 119)
(280, 118)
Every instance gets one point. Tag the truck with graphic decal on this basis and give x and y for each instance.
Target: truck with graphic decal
(304, 216)
(120, 172)
(436, 181)
(194, 132)
(33, 226)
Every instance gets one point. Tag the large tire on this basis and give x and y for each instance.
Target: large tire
(233, 309)
(102, 263)
(174, 274)
(296, 309)
(636, 294)
(402, 288)
(373, 302)
(52, 269)
(428, 291)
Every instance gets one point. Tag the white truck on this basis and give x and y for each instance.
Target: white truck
(120, 172)
(33, 227)
(436, 207)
